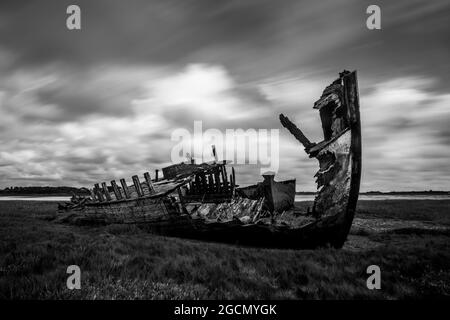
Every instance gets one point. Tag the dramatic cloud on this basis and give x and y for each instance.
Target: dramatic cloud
(78, 107)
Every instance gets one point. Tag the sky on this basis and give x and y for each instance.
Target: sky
(79, 107)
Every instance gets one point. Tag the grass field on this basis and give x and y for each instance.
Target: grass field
(125, 262)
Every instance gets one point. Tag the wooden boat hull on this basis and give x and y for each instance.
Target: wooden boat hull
(335, 202)
(338, 179)
(340, 168)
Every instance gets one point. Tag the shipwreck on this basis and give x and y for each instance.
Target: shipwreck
(203, 201)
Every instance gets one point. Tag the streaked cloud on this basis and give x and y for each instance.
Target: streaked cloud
(102, 103)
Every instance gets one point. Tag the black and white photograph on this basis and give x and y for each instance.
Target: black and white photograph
(224, 151)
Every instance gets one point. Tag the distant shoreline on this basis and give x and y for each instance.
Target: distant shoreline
(37, 195)
(66, 191)
(308, 193)
(376, 193)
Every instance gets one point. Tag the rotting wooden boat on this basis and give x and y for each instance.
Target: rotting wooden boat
(201, 201)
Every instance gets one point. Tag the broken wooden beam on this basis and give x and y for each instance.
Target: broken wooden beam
(93, 196)
(137, 186)
(324, 101)
(234, 176)
(191, 188)
(214, 153)
(106, 192)
(116, 190)
(217, 181)
(204, 183)
(296, 132)
(211, 184)
(151, 189)
(182, 202)
(125, 188)
(223, 172)
(98, 192)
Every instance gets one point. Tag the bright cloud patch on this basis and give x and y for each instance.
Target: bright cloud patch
(70, 127)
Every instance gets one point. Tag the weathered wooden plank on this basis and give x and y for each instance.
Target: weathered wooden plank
(296, 132)
(116, 190)
(137, 186)
(93, 196)
(214, 153)
(182, 202)
(223, 172)
(106, 192)
(323, 101)
(125, 189)
(98, 192)
(199, 184)
(234, 177)
(217, 181)
(149, 182)
(197, 187)
(211, 184)
(204, 183)
(232, 180)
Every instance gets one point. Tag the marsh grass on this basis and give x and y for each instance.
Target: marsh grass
(422, 210)
(126, 262)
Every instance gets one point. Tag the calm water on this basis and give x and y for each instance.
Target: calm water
(384, 197)
(27, 198)
(297, 197)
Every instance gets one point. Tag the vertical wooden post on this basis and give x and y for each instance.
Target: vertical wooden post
(191, 188)
(204, 183)
(182, 204)
(231, 185)
(223, 171)
(98, 192)
(116, 190)
(93, 196)
(125, 188)
(234, 176)
(200, 183)
(106, 192)
(234, 179)
(211, 186)
(149, 182)
(217, 179)
(137, 186)
(214, 153)
(156, 175)
(197, 183)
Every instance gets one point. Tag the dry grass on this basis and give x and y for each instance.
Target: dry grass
(423, 210)
(125, 262)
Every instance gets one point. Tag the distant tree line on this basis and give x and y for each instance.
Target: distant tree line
(43, 190)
